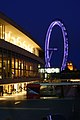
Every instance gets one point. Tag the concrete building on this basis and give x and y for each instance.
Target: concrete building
(20, 57)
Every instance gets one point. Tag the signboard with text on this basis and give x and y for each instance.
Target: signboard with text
(49, 70)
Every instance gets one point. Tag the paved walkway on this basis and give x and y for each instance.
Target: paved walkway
(15, 96)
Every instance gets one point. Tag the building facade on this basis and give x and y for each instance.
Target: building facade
(20, 57)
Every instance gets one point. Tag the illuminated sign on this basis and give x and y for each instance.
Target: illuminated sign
(49, 70)
(19, 42)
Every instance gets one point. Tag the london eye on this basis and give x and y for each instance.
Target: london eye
(49, 51)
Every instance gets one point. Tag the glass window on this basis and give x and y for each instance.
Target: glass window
(19, 64)
(5, 66)
(0, 61)
(27, 73)
(17, 73)
(0, 64)
(13, 73)
(21, 72)
(26, 67)
(16, 63)
(12, 62)
(0, 73)
(31, 68)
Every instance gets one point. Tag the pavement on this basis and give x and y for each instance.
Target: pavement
(18, 107)
(16, 96)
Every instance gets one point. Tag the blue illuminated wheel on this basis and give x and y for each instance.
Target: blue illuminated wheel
(48, 54)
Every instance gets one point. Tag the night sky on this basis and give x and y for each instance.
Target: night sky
(35, 16)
